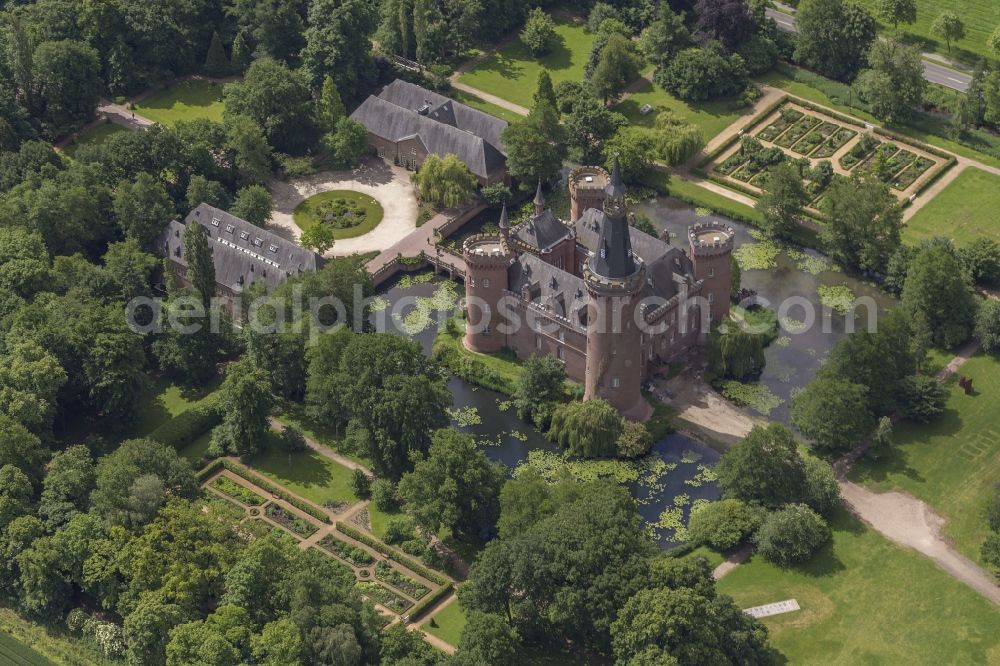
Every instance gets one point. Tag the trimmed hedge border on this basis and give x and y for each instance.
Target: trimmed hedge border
(208, 470)
(733, 185)
(190, 424)
(392, 554)
(264, 484)
(830, 113)
(736, 138)
(421, 607)
(948, 166)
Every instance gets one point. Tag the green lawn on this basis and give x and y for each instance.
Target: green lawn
(380, 519)
(963, 211)
(714, 558)
(186, 100)
(94, 136)
(449, 623)
(315, 209)
(163, 400)
(952, 464)
(512, 72)
(980, 18)
(867, 601)
(711, 117)
(306, 473)
(12, 651)
(195, 451)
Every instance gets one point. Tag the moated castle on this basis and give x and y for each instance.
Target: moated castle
(611, 302)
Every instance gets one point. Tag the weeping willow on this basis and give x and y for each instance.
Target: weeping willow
(736, 354)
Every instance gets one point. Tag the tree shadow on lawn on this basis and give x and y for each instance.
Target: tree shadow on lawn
(508, 67)
(560, 57)
(908, 434)
(304, 468)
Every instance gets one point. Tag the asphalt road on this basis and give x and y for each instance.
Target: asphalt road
(933, 72)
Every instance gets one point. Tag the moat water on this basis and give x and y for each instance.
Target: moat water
(677, 473)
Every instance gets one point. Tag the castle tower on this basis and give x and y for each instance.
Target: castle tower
(487, 259)
(587, 187)
(614, 278)
(539, 199)
(712, 252)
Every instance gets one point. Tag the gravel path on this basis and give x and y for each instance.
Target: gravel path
(387, 184)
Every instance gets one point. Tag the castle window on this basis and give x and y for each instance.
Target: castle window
(561, 354)
(486, 331)
(711, 272)
(230, 228)
(244, 235)
(562, 335)
(215, 221)
(486, 282)
(711, 298)
(651, 352)
(615, 382)
(538, 342)
(413, 151)
(472, 282)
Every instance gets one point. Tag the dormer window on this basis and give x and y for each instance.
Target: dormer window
(273, 248)
(230, 228)
(244, 235)
(258, 242)
(216, 221)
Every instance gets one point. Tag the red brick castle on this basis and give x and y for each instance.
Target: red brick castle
(611, 302)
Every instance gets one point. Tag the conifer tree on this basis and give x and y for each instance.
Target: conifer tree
(241, 55)
(216, 62)
(200, 268)
(330, 107)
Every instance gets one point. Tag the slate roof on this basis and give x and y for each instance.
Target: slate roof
(559, 291)
(666, 266)
(445, 110)
(447, 127)
(541, 232)
(242, 253)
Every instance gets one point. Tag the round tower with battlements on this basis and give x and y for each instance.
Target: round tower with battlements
(614, 278)
(712, 253)
(587, 186)
(487, 258)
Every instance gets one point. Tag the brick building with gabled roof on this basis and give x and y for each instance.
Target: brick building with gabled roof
(407, 122)
(241, 252)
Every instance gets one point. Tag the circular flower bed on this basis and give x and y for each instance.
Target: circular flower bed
(349, 214)
(254, 511)
(364, 573)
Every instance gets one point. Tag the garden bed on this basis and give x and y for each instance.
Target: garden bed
(290, 521)
(814, 139)
(235, 491)
(797, 131)
(865, 146)
(345, 551)
(383, 596)
(387, 574)
(909, 175)
(787, 118)
(349, 214)
(837, 140)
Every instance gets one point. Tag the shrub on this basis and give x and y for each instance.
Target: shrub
(822, 493)
(384, 494)
(725, 524)
(539, 33)
(414, 547)
(361, 484)
(922, 399)
(993, 513)
(991, 550)
(988, 326)
(496, 194)
(791, 535)
(634, 440)
(398, 530)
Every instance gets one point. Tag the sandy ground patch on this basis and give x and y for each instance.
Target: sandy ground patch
(387, 184)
